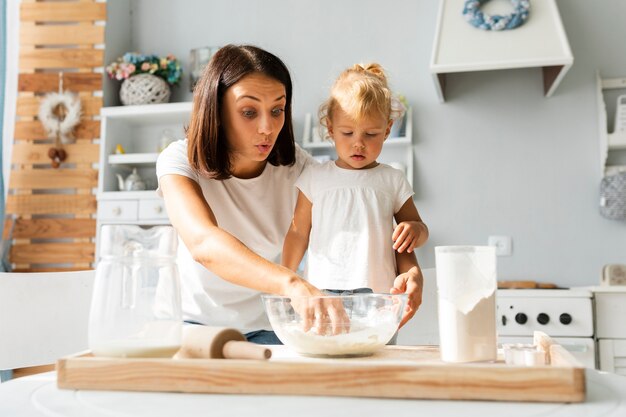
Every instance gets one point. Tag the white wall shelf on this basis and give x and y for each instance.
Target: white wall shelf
(395, 149)
(608, 141)
(140, 131)
(540, 42)
(133, 158)
(398, 141)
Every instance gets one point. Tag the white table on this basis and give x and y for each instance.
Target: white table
(38, 395)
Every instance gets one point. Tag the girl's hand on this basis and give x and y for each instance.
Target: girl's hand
(406, 235)
(411, 283)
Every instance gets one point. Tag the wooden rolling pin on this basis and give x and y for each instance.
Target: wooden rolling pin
(218, 343)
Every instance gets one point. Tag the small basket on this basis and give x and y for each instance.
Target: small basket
(144, 89)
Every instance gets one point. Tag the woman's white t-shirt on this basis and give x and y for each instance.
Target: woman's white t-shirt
(258, 212)
(350, 244)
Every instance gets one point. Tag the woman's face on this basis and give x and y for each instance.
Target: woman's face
(253, 114)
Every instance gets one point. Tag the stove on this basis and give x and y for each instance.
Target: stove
(566, 315)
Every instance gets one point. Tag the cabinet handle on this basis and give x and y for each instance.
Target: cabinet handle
(117, 211)
(158, 209)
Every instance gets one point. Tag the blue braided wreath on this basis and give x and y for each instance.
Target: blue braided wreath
(472, 13)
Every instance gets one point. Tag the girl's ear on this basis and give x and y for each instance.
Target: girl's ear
(329, 126)
(388, 130)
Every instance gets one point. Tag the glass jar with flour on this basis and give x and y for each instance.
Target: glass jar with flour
(466, 286)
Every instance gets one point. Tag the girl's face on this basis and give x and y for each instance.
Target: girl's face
(358, 144)
(253, 114)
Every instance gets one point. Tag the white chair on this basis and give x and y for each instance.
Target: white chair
(43, 316)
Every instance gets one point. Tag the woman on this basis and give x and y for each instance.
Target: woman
(229, 192)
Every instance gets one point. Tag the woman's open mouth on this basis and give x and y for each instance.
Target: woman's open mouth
(265, 148)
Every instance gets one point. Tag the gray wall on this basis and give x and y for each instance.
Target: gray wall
(496, 159)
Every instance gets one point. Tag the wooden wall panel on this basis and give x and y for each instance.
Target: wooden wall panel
(60, 58)
(53, 179)
(26, 153)
(62, 35)
(53, 228)
(47, 253)
(51, 212)
(51, 204)
(67, 11)
(46, 82)
(29, 106)
(32, 130)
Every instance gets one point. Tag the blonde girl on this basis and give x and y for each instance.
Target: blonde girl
(345, 211)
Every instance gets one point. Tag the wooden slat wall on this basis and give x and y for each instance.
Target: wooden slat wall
(51, 212)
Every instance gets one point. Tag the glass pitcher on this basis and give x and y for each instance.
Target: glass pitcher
(136, 304)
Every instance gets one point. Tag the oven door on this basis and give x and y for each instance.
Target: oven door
(582, 348)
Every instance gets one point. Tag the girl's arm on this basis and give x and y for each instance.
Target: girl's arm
(409, 279)
(411, 232)
(297, 239)
(219, 251)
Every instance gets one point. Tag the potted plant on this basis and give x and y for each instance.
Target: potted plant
(146, 79)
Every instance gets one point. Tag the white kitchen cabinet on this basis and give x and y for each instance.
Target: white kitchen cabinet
(396, 150)
(616, 140)
(141, 131)
(541, 42)
(610, 309)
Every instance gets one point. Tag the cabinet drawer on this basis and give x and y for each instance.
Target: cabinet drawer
(613, 355)
(152, 209)
(117, 210)
(609, 308)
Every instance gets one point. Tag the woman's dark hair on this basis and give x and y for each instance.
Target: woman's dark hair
(207, 149)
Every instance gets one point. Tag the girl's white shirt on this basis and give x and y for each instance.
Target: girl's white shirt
(258, 212)
(352, 223)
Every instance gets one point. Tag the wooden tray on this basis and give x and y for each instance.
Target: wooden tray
(395, 372)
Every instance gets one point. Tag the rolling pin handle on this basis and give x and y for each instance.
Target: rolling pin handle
(235, 349)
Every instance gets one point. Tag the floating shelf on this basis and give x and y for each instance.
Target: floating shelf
(608, 141)
(328, 144)
(133, 158)
(540, 42)
(617, 141)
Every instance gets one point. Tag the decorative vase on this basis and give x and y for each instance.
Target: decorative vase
(144, 89)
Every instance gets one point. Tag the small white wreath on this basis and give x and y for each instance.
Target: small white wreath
(61, 127)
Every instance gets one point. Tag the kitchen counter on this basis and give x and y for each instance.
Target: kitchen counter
(37, 395)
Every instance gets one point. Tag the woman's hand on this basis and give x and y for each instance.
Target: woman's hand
(406, 236)
(325, 315)
(411, 283)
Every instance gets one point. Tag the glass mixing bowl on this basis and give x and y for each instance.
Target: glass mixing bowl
(335, 325)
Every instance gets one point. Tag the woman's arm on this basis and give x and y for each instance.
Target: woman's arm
(219, 251)
(297, 239)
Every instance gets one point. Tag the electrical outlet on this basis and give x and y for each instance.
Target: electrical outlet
(503, 244)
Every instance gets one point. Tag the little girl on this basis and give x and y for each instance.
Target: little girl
(345, 209)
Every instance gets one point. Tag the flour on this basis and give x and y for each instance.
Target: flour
(468, 337)
(366, 336)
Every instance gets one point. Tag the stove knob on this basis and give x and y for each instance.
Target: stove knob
(565, 318)
(504, 320)
(521, 318)
(543, 318)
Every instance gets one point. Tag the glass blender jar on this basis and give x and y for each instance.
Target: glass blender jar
(136, 302)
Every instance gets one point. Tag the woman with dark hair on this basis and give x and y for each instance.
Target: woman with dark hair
(229, 192)
(228, 189)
